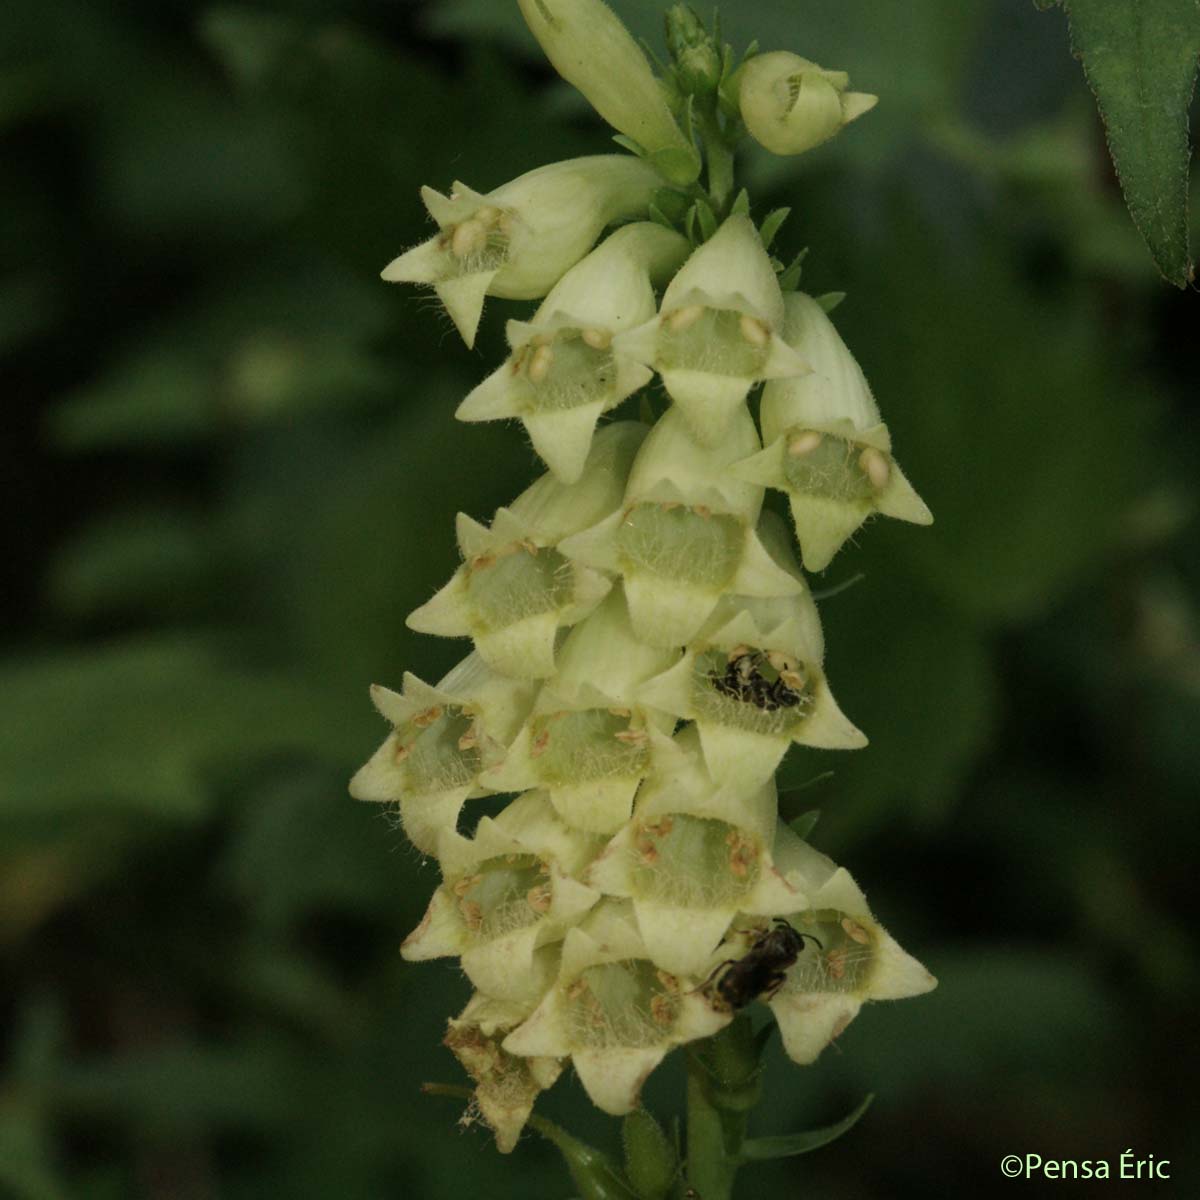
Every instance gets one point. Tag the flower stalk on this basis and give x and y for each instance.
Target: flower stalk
(646, 645)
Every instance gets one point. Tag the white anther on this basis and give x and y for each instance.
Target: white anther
(875, 467)
(755, 332)
(598, 339)
(539, 365)
(468, 237)
(804, 443)
(685, 318)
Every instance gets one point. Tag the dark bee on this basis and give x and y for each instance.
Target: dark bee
(752, 678)
(761, 971)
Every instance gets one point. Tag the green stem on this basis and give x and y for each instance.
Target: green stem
(710, 1170)
(720, 163)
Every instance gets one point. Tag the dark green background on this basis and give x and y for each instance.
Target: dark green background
(230, 468)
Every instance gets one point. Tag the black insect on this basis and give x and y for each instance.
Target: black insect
(761, 971)
(744, 679)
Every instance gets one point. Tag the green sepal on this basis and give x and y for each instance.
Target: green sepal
(689, 124)
(789, 281)
(805, 823)
(651, 1161)
(741, 204)
(679, 165)
(659, 217)
(790, 1144)
(772, 223)
(830, 300)
(708, 219)
(595, 1175)
(671, 202)
(627, 143)
(689, 225)
(732, 1067)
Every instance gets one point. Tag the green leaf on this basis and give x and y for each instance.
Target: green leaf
(789, 1144)
(1140, 59)
(830, 300)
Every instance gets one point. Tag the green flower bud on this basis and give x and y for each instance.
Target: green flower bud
(826, 446)
(694, 855)
(650, 1158)
(613, 1011)
(790, 105)
(515, 590)
(591, 49)
(519, 240)
(717, 331)
(685, 533)
(564, 371)
(505, 1086)
(588, 741)
(695, 54)
(443, 739)
(508, 896)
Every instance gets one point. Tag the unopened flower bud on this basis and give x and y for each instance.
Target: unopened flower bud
(564, 371)
(695, 54)
(791, 105)
(519, 240)
(591, 49)
(717, 331)
(825, 444)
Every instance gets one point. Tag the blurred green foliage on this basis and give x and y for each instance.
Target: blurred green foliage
(230, 469)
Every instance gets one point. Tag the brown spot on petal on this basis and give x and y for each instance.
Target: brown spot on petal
(662, 1009)
(670, 982)
(538, 898)
(647, 852)
(472, 914)
(835, 962)
(632, 737)
(465, 884)
(424, 719)
(539, 744)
